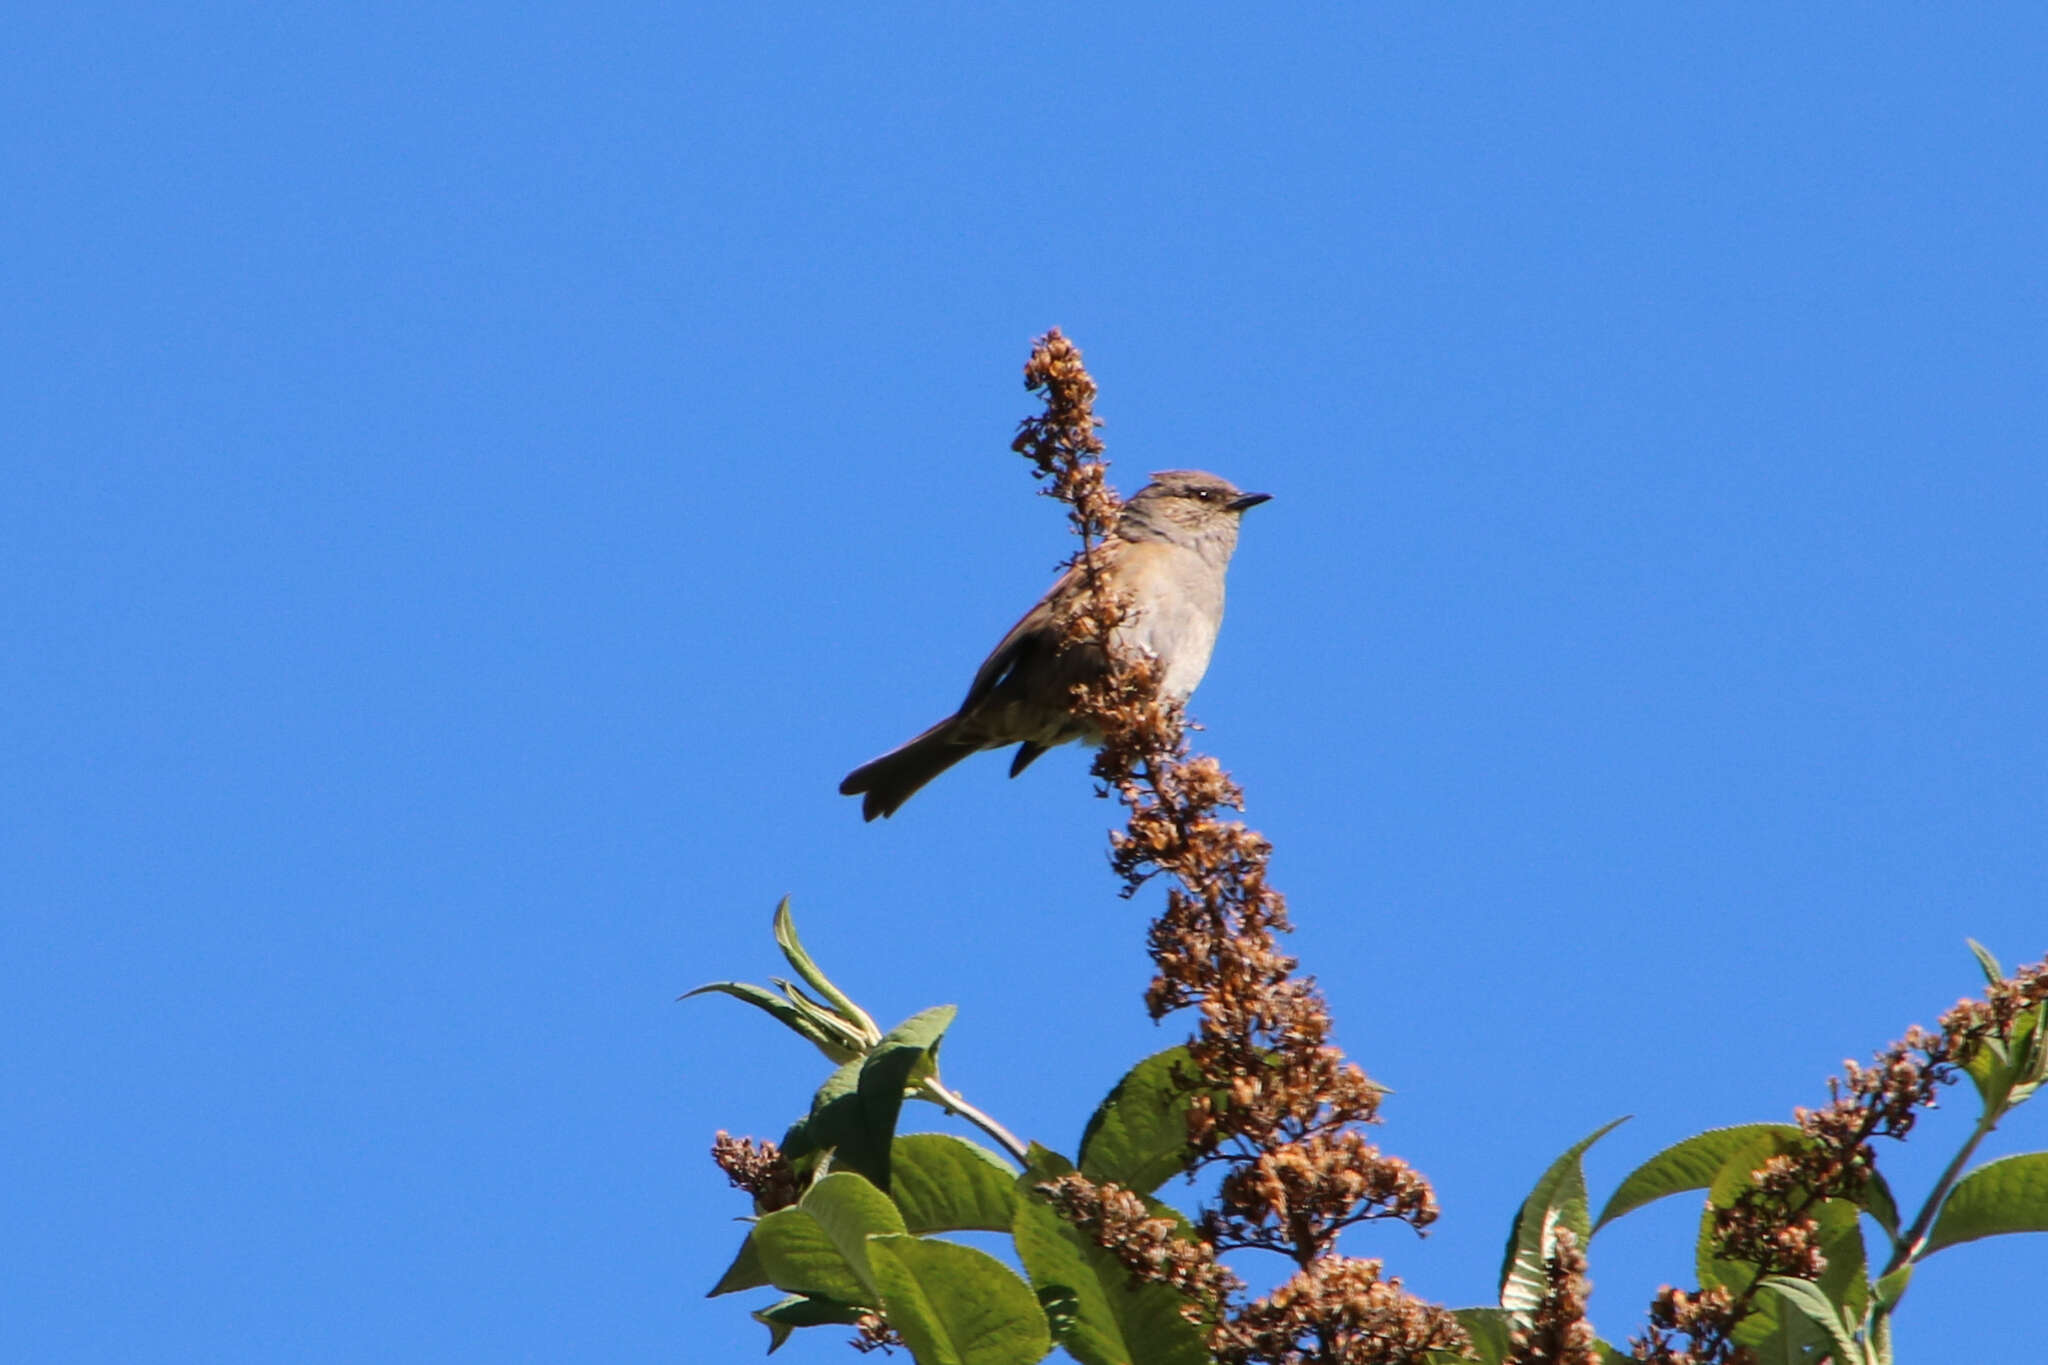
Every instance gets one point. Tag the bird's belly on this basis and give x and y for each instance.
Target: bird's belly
(1181, 636)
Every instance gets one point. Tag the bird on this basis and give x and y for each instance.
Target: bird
(1166, 556)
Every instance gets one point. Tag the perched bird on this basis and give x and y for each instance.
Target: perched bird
(1166, 558)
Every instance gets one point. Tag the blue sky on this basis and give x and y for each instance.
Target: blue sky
(481, 475)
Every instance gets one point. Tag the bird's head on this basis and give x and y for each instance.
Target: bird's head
(1189, 507)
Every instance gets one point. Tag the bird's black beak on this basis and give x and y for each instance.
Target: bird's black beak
(1245, 501)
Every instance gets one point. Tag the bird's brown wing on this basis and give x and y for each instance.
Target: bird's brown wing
(1032, 634)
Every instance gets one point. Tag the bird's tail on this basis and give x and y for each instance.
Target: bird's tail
(885, 783)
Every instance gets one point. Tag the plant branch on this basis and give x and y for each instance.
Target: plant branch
(1915, 1237)
(931, 1090)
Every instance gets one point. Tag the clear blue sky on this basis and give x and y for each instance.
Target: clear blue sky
(479, 476)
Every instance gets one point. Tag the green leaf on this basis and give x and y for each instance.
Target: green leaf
(835, 1112)
(1736, 1174)
(1841, 1241)
(920, 1033)
(1877, 1201)
(1559, 1200)
(745, 1272)
(1689, 1165)
(784, 1013)
(947, 1184)
(1062, 1310)
(1769, 1328)
(1492, 1332)
(793, 950)
(1890, 1289)
(854, 1112)
(1041, 1164)
(820, 1246)
(799, 1257)
(1138, 1135)
(1806, 1299)
(958, 1306)
(900, 1060)
(1775, 1336)
(1993, 973)
(1990, 1068)
(802, 1310)
(2029, 1055)
(2007, 1195)
(844, 1081)
(2008, 1072)
(850, 1209)
(851, 1044)
(1113, 1322)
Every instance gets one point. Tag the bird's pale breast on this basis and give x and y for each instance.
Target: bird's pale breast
(1177, 597)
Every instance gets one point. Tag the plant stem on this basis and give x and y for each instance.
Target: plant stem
(938, 1094)
(1910, 1243)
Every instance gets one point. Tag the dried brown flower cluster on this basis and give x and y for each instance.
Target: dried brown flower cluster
(1705, 1320)
(1061, 444)
(1557, 1332)
(1273, 1100)
(756, 1166)
(872, 1332)
(1771, 1224)
(1337, 1309)
(1150, 1247)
